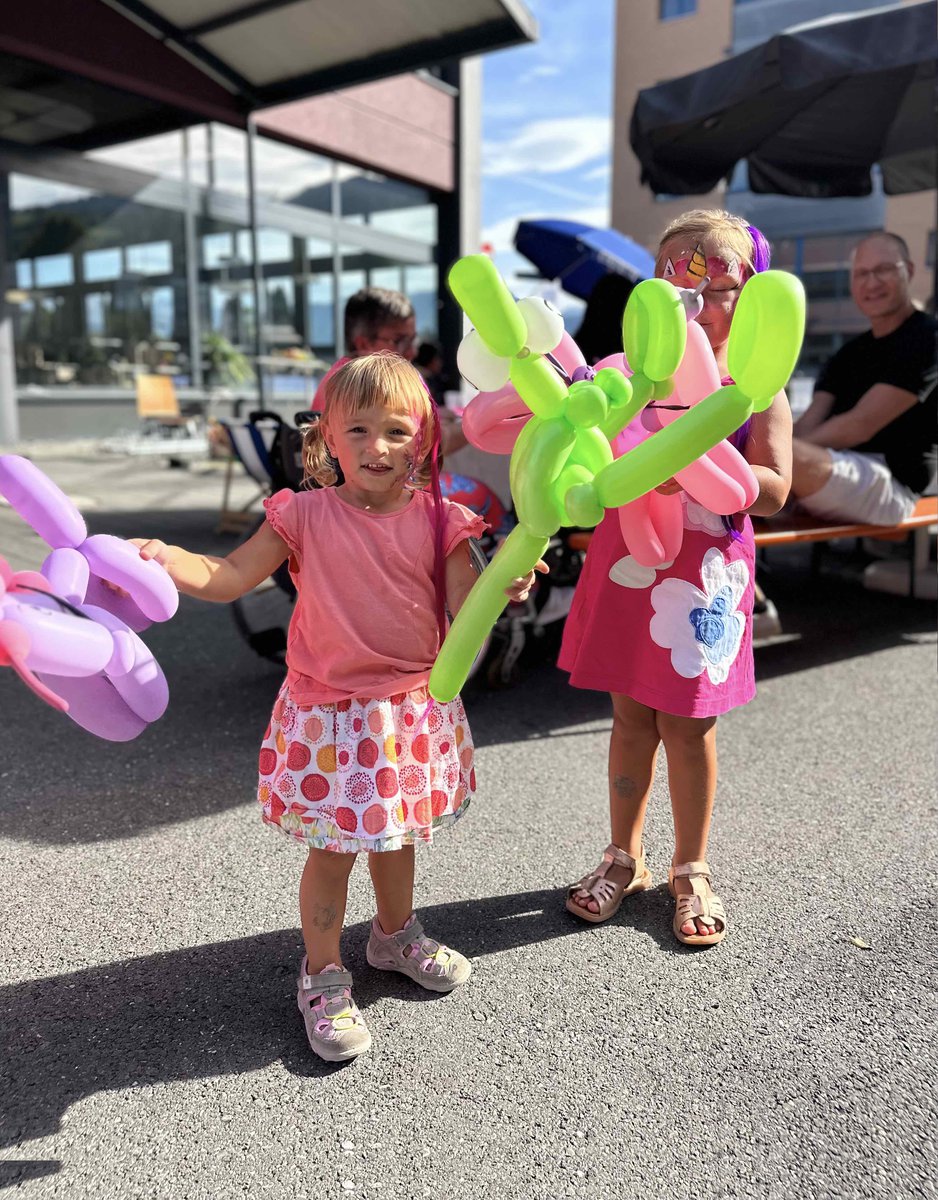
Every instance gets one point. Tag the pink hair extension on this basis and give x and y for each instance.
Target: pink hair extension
(439, 531)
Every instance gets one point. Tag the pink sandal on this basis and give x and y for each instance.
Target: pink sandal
(412, 953)
(703, 904)
(335, 1027)
(609, 895)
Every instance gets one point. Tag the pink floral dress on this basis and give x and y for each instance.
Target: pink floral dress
(677, 639)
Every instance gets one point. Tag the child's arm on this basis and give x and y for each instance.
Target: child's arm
(461, 575)
(221, 579)
(768, 452)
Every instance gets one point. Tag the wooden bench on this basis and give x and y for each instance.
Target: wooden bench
(786, 530)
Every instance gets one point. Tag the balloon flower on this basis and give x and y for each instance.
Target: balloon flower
(69, 637)
(563, 470)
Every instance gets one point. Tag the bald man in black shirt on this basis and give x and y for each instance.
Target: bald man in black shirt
(864, 449)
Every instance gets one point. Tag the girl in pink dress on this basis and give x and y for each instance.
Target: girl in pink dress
(357, 757)
(673, 646)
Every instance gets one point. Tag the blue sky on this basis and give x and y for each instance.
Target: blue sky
(547, 126)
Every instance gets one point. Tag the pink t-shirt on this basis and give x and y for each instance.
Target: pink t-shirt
(364, 622)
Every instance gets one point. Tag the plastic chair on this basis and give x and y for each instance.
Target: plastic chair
(251, 442)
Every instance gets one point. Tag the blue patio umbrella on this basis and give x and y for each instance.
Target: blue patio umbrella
(577, 256)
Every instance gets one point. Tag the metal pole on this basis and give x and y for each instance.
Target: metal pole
(192, 265)
(9, 412)
(257, 271)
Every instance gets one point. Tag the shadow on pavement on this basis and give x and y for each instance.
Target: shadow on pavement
(229, 1007)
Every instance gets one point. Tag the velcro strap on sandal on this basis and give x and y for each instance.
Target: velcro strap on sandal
(614, 854)
(413, 933)
(326, 981)
(685, 870)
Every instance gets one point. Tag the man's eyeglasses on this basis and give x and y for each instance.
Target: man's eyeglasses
(881, 273)
(403, 341)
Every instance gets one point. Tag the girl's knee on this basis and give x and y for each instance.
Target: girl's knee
(633, 720)
(685, 731)
(329, 862)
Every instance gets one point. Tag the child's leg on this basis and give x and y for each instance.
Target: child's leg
(392, 873)
(395, 945)
(633, 749)
(691, 746)
(323, 897)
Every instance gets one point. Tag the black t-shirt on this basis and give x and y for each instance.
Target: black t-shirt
(904, 358)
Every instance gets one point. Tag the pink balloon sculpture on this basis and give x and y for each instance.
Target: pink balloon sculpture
(653, 525)
(71, 638)
(493, 420)
(721, 480)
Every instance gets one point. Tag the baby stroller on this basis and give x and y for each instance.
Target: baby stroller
(262, 616)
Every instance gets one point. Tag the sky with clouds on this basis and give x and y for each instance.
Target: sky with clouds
(547, 127)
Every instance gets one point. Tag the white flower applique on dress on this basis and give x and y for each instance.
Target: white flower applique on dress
(628, 573)
(702, 627)
(700, 518)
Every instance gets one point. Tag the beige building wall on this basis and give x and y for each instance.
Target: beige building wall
(913, 217)
(648, 51)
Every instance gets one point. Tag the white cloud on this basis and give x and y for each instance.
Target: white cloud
(542, 71)
(550, 146)
(500, 235)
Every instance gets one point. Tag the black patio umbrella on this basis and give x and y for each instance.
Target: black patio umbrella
(811, 110)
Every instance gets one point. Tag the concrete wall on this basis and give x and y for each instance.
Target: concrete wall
(403, 126)
(648, 51)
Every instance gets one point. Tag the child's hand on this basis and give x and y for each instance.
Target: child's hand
(149, 548)
(154, 548)
(519, 589)
(670, 487)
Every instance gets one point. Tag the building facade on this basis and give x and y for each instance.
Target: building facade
(662, 39)
(155, 254)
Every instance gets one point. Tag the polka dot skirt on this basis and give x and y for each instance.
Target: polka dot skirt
(365, 774)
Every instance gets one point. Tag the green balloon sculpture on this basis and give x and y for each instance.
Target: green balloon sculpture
(562, 470)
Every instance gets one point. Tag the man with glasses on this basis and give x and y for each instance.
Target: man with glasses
(864, 449)
(381, 319)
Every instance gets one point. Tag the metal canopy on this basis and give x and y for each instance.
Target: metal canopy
(218, 59)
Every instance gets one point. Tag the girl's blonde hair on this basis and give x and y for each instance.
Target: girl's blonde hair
(382, 380)
(717, 230)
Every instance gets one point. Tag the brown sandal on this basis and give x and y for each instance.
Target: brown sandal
(700, 905)
(609, 895)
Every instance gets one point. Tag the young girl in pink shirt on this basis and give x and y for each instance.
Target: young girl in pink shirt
(357, 757)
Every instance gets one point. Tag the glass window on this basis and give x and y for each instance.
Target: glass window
(91, 323)
(668, 9)
(826, 285)
(420, 287)
(150, 258)
(273, 246)
(217, 249)
(320, 306)
(101, 264)
(54, 270)
(292, 176)
(160, 155)
(24, 273)
(367, 198)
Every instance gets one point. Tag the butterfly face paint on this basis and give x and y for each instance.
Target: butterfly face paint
(695, 266)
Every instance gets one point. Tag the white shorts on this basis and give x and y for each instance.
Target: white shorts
(861, 489)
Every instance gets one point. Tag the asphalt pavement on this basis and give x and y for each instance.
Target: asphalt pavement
(149, 1040)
